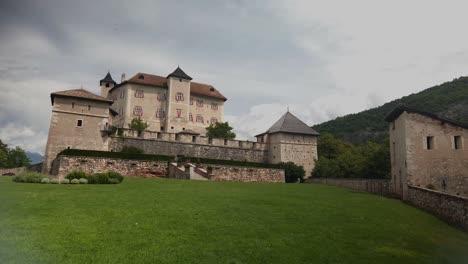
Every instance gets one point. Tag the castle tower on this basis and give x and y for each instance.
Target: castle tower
(77, 122)
(178, 101)
(290, 139)
(106, 84)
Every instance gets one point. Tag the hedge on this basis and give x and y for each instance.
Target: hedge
(151, 157)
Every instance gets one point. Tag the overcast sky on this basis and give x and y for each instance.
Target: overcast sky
(323, 59)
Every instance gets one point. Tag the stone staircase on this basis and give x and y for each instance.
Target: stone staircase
(187, 171)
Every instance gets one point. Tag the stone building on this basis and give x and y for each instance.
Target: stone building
(170, 104)
(427, 151)
(79, 120)
(290, 139)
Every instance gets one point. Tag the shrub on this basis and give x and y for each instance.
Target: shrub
(32, 177)
(114, 181)
(292, 172)
(64, 181)
(92, 179)
(54, 181)
(76, 174)
(115, 175)
(131, 150)
(101, 178)
(45, 180)
(83, 181)
(75, 181)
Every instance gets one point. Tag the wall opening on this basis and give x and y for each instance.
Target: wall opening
(457, 142)
(430, 142)
(194, 139)
(225, 142)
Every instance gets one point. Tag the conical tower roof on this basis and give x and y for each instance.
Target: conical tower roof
(289, 123)
(179, 73)
(108, 78)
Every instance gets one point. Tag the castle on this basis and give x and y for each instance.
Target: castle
(178, 111)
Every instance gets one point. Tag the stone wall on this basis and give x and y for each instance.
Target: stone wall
(175, 172)
(131, 168)
(377, 186)
(244, 174)
(12, 171)
(451, 208)
(184, 145)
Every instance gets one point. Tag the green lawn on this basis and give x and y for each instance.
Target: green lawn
(176, 221)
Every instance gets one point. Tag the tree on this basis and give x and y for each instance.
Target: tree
(292, 172)
(138, 124)
(12, 157)
(220, 130)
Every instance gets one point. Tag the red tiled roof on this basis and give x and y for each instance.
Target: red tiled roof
(79, 93)
(196, 88)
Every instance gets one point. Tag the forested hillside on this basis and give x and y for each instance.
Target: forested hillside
(449, 100)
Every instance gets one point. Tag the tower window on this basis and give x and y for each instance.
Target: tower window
(137, 111)
(191, 100)
(214, 106)
(214, 120)
(200, 103)
(179, 96)
(89, 107)
(73, 105)
(430, 142)
(179, 112)
(141, 77)
(107, 84)
(190, 117)
(139, 94)
(79, 123)
(457, 142)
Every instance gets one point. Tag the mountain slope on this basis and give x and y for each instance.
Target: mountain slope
(449, 100)
(34, 157)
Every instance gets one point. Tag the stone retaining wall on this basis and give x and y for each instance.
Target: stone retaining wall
(175, 172)
(12, 171)
(451, 208)
(377, 186)
(254, 152)
(244, 174)
(131, 168)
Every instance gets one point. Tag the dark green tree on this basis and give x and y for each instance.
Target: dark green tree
(292, 172)
(220, 130)
(3, 155)
(12, 157)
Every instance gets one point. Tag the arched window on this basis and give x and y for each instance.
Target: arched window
(214, 120)
(199, 102)
(199, 119)
(214, 106)
(160, 113)
(139, 94)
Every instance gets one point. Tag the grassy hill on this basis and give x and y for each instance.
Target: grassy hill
(449, 99)
(176, 221)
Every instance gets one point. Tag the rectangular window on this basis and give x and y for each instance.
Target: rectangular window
(179, 112)
(214, 120)
(122, 93)
(429, 142)
(89, 107)
(191, 101)
(393, 125)
(79, 123)
(160, 114)
(214, 106)
(199, 119)
(73, 105)
(190, 117)
(137, 111)
(179, 96)
(139, 94)
(200, 103)
(457, 142)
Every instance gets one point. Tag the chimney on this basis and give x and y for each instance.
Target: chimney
(122, 79)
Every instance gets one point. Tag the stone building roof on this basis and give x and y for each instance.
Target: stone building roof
(159, 81)
(80, 94)
(107, 78)
(289, 123)
(179, 73)
(395, 113)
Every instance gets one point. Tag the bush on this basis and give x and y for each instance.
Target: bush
(292, 172)
(54, 181)
(76, 174)
(115, 175)
(83, 181)
(131, 150)
(75, 181)
(101, 178)
(45, 180)
(92, 179)
(114, 181)
(31, 177)
(65, 181)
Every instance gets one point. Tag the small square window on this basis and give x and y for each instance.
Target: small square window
(79, 123)
(457, 142)
(430, 142)
(179, 97)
